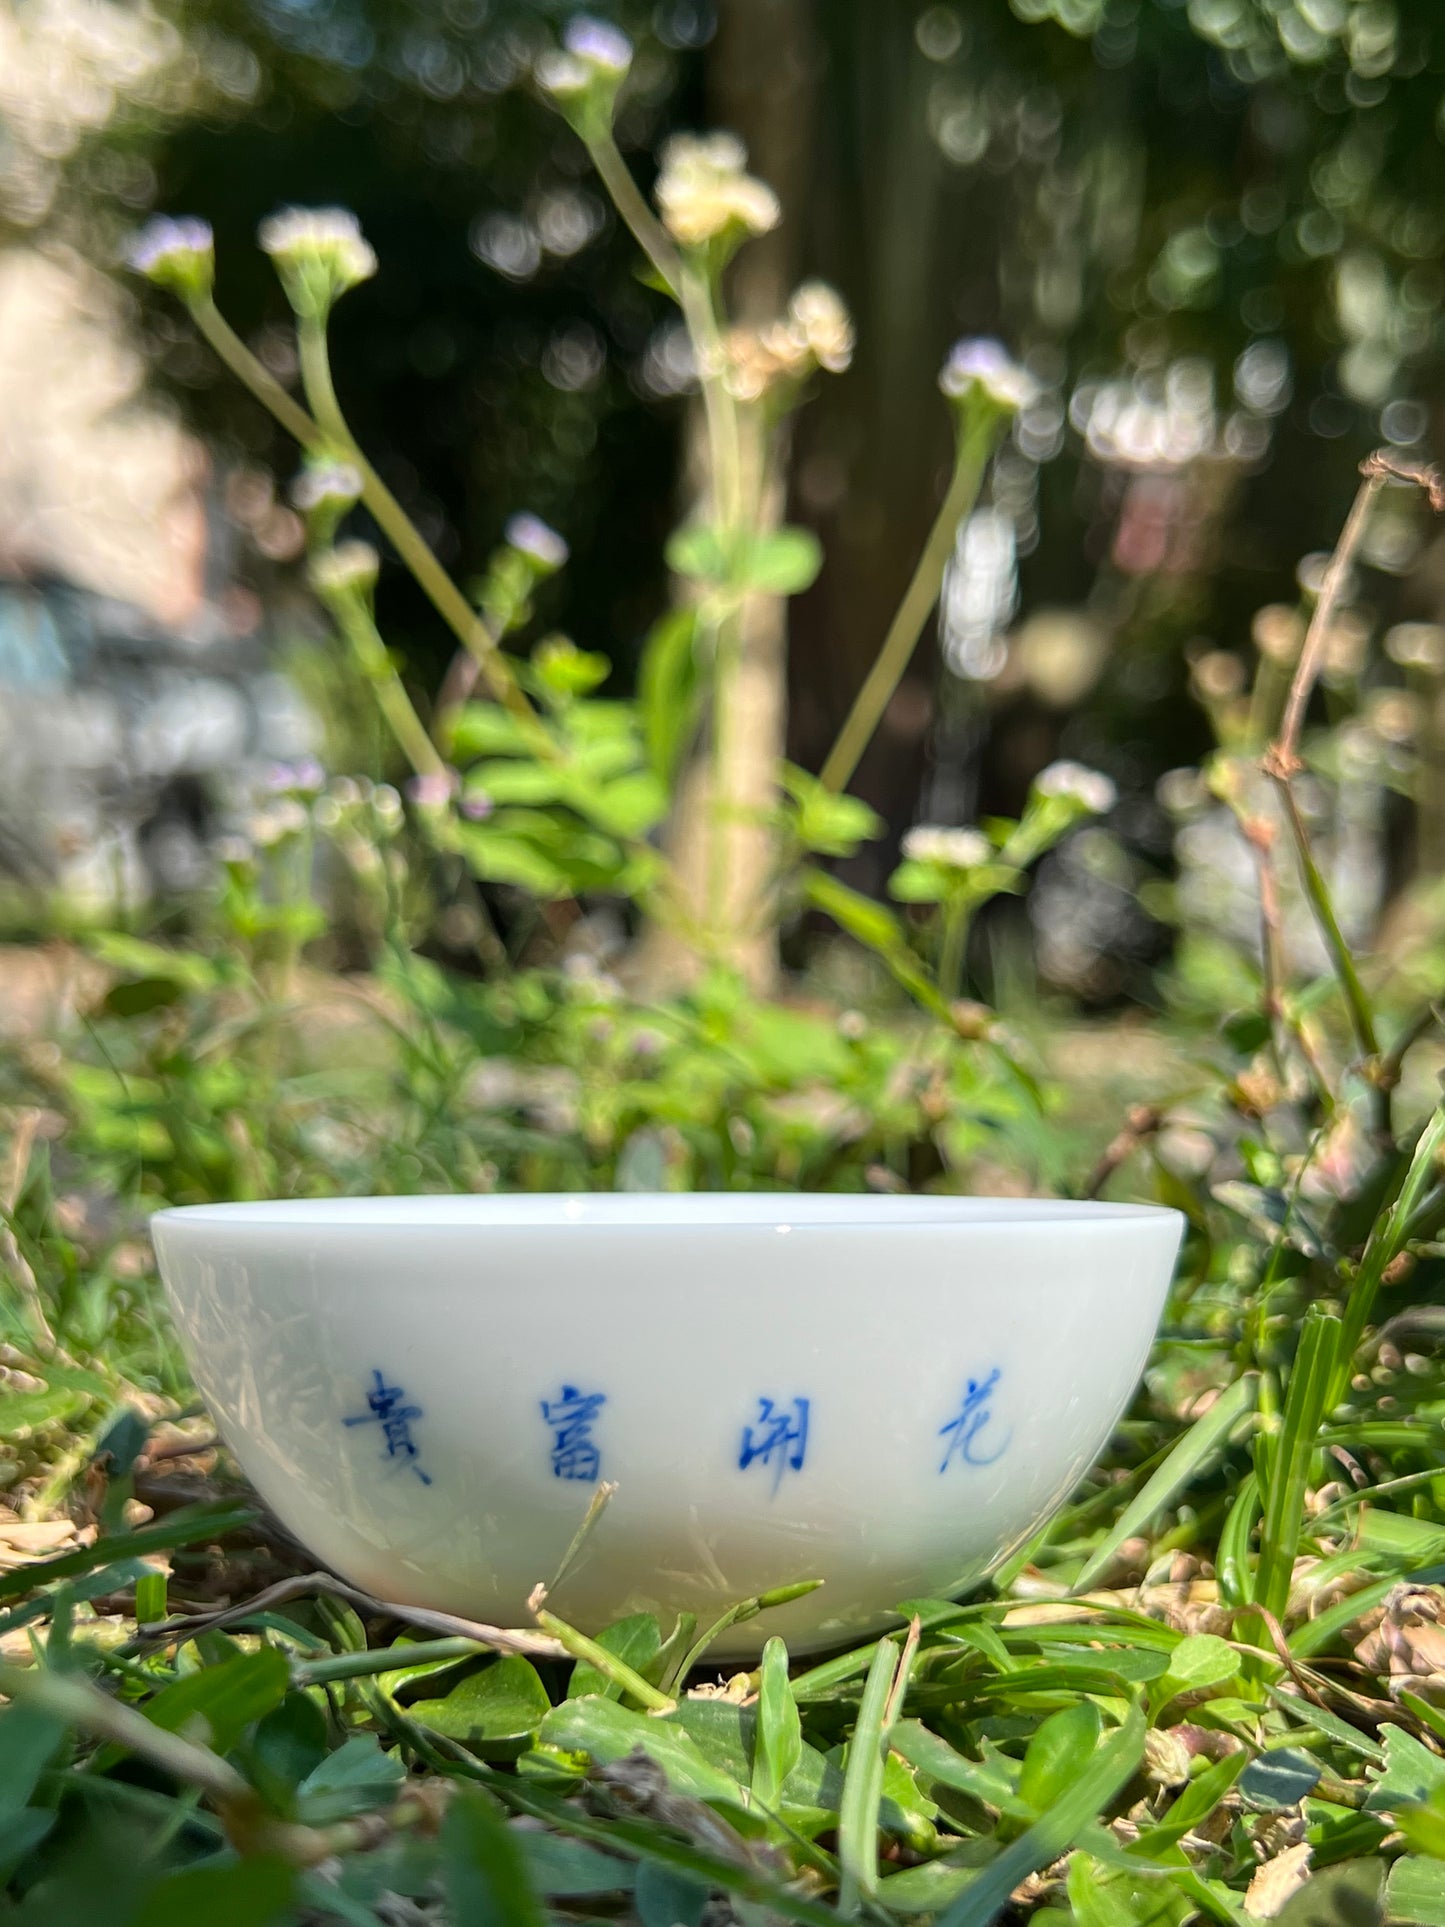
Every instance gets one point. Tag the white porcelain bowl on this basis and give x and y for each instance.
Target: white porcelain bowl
(884, 1393)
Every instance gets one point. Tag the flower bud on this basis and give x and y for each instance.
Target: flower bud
(350, 569)
(539, 545)
(325, 492)
(979, 369)
(706, 195)
(175, 254)
(582, 77)
(1088, 789)
(319, 253)
(954, 849)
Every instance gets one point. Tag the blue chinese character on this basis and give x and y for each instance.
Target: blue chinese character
(385, 1408)
(779, 1439)
(574, 1455)
(974, 1415)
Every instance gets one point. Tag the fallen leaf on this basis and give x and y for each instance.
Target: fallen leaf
(1277, 1881)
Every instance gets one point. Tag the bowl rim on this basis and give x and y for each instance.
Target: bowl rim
(635, 1212)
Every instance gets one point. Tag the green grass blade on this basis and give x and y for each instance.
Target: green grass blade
(1386, 1242)
(1053, 1833)
(1194, 1450)
(1232, 1561)
(778, 1738)
(1284, 1468)
(863, 1784)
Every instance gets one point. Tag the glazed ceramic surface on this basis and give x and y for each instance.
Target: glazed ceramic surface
(884, 1393)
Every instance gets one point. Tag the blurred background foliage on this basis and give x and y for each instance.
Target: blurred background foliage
(1211, 231)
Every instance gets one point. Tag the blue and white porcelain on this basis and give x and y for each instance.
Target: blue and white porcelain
(885, 1393)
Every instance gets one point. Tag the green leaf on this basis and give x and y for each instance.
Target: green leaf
(485, 1868)
(783, 563)
(1423, 1827)
(222, 1700)
(150, 1598)
(1057, 1753)
(28, 1411)
(778, 1734)
(1198, 1662)
(28, 1738)
(141, 995)
(636, 1641)
(1411, 1775)
(564, 1869)
(1101, 1781)
(1103, 1898)
(563, 671)
(666, 1898)
(1415, 1891)
(495, 1711)
(137, 958)
(522, 782)
(499, 858)
(700, 552)
(670, 691)
(993, 1780)
(357, 1778)
(486, 729)
(929, 1888)
(288, 1744)
(877, 929)
(1194, 1450)
(607, 1732)
(1280, 1778)
(826, 822)
(21, 1833)
(630, 806)
(1194, 1805)
(255, 1892)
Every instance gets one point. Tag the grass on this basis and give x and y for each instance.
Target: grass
(1208, 1690)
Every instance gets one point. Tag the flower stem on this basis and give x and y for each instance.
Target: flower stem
(374, 661)
(975, 447)
(637, 216)
(956, 920)
(446, 598)
(254, 374)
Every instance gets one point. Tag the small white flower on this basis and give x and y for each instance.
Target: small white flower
(563, 76)
(326, 485)
(319, 253)
(235, 852)
(349, 567)
(978, 363)
(303, 779)
(433, 789)
(277, 823)
(179, 254)
(704, 191)
(818, 317)
(599, 45)
(532, 537)
(1089, 788)
(582, 76)
(955, 849)
(386, 807)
